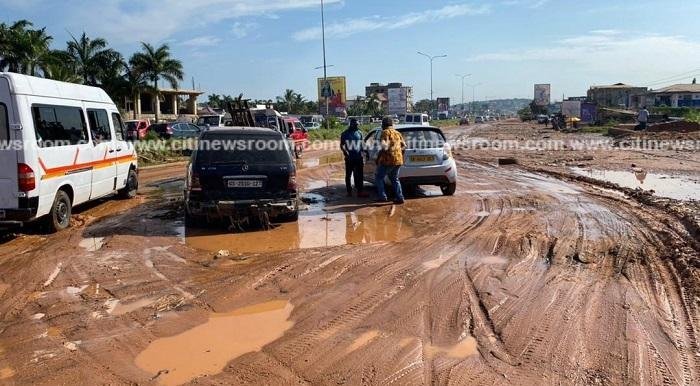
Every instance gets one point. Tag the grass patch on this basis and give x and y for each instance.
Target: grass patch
(326, 134)
(604, 130)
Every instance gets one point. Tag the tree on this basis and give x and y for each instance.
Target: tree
(287, 99)
(156, 63)
(10, 50)
(424, 105)
(134, 82)
(91, 56)
(215, 101)
(25, 50)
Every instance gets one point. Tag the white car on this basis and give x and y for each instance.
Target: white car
(68, 146)
(427, 161)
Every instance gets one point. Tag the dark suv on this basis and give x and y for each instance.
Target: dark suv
(244, 174)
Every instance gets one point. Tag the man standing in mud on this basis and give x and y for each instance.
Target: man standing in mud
(389, 161)
(643, 118)
(351, 145)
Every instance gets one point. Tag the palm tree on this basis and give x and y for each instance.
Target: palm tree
(214, 101)
(89, 56)
(36, 54)
(156, 63)
(287, 99)
(62, 68)
(11, 53)
(134, 82)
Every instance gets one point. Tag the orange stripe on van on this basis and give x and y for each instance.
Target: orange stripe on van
(63, 170)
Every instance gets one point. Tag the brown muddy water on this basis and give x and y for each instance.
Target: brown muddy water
(205, 349)
(680, 187)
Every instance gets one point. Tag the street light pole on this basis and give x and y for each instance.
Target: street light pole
(462, 76)
(325, 73)
(473, 86)
(431, 58)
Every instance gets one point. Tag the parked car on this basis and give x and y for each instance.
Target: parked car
(427, 160)
(311, 122)
(479, 119)
(74, 150)
(420, 119)
(297, 134)
(176, 130)
(464, 121)
(211, 121)
(136, 129)
(241, 183)
(541, 118)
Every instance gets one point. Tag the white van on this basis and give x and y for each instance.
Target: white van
(61, 144)
(417, 119)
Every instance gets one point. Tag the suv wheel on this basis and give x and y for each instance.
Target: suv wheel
(59, 217)
(449, 189)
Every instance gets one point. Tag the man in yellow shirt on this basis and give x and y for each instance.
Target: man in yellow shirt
(390, 160)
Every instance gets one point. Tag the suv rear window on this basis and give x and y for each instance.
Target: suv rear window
(221, 148)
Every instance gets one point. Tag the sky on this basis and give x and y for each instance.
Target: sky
(262, 47)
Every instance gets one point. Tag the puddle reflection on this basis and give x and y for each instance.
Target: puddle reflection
(676, 187)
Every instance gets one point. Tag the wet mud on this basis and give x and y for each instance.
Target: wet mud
(520, 278)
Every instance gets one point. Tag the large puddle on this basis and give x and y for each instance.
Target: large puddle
(315, 228)
(679, 187)
(205, 349)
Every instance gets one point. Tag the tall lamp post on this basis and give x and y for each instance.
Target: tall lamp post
(473, 86)
(325, 67)
(462, 76)
(431, 58)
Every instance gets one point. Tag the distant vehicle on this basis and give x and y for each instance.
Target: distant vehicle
(74, 150)
(136, 129)
(176, 130)
(464, 121)
(414, 118)
(443, 115)
(541, 118)
(243, 184)
(479, 119)
(311, 122)
(427, 160)
(297, 133)
(211, 121)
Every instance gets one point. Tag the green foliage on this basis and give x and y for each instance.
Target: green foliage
(424, 106)
(692, 116)
(525, 114)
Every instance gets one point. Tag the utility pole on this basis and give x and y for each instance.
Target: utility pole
(431, 58)
(462, 76)
(325, 73)
(473, 86)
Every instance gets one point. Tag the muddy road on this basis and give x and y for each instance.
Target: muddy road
(520, 278)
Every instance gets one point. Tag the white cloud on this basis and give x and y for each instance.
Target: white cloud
(608, 54)
(241, 30)
(374, 23)
(126, 21)
(527, 3)
(202, 41)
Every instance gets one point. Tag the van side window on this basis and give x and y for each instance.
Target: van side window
(119, 131)
(4, 126)
(99, 125)
(59, 125)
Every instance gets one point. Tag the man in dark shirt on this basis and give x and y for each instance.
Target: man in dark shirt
(351, 145)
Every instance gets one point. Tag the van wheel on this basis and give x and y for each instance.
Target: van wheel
(449, 189)
(59, 217)
(132, 185)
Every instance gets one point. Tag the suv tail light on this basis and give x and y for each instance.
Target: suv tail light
(194, 181)
(292, 182)
(447, 152)
(26, 180)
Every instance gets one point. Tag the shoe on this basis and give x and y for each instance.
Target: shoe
(398, 202)
(362, 194)
(380, 199)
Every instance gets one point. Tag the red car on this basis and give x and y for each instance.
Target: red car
(297, 133)
(136, 129)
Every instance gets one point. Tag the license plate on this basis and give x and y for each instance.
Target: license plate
(422, 158)
(244, 184)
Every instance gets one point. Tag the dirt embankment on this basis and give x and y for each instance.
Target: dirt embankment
(520, 278)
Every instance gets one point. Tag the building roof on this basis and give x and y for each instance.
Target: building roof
(679, 88)
(181, 91)
(616, 85)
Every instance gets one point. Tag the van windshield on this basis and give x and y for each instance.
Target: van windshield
(221, 148)
(211, 121)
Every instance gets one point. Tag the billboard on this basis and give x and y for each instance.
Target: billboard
(333, 90)
(571, 109)
(397, 100)
(443, 104)
(589, 112)
(542, 94)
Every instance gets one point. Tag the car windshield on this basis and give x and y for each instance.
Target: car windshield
(298, 126)
(223, 148)
(422, 139)
(211, 121)
(131, 125)
(306, 119)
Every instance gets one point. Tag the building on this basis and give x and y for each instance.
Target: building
(394, 97)
(174, 104)
(618, 95)
(678, 95)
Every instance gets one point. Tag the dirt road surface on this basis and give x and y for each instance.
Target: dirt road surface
(520, 278)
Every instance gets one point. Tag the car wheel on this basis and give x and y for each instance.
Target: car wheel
(132, 185)
(449, 189)
(58, 218)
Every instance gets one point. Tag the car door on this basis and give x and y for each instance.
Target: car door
(104, 171)
(370, 152)
(123, 150)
